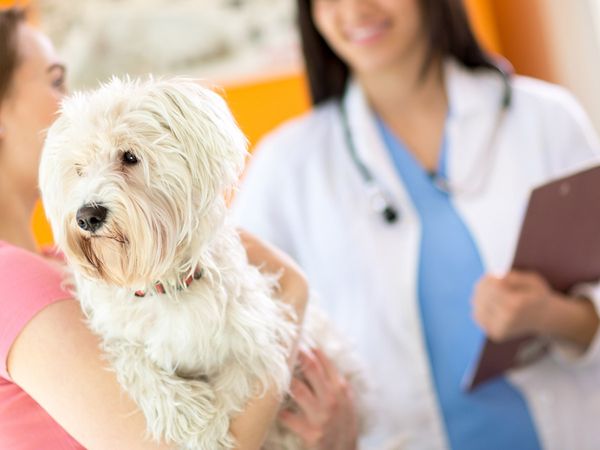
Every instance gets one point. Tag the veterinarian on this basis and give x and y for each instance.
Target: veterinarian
(55, 391)
(401, 195)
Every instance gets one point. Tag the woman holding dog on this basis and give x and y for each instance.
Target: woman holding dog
(55, 391)
(401, 195)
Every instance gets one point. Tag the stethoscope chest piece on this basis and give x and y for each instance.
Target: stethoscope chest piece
(382, 205)
(390, 214)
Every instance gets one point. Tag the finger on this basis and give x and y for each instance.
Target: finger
(520, 279)
(305, 399)
(331, 371)
(503, 308)
(496, 295)
(488, 298)
(338, 383)
(297, 423)
(488, 286)
(314, 372)
(497, 310)
(488, 322)
(483, 314)
(488, 280)
(488, 310)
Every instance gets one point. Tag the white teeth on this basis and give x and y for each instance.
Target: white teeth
(364, 33)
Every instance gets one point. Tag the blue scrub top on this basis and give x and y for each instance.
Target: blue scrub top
(494, 417)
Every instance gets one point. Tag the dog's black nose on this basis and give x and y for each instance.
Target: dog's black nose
(90, 218)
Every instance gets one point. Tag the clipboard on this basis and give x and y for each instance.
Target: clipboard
(559, 239)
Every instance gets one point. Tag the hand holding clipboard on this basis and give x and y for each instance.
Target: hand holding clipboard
(560, 240)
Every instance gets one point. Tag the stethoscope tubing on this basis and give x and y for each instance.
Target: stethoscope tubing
(380, 200)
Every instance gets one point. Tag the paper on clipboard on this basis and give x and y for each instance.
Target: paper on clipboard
(559, 239)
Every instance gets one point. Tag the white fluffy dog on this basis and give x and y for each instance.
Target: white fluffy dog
(133, 178)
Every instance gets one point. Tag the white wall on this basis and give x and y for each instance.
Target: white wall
(574, 39)
(220, 40)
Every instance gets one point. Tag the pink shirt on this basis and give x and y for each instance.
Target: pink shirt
(28, 283)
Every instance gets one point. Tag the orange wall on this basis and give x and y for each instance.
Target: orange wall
(261, 106)
(483, 20)
(523, 36)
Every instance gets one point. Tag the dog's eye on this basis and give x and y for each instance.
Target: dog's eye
(129, 158)
(79, 171)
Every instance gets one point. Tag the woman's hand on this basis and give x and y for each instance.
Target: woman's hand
(523, 303)
(326, 417)
(511, 307)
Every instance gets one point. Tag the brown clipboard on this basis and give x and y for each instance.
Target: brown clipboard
(559, 239)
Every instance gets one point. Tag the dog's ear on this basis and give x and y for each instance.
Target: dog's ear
(199, 119)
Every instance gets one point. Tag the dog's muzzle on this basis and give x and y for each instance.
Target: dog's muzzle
(91, 217)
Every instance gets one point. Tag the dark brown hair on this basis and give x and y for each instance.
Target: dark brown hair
(448, 33)
(9, 52)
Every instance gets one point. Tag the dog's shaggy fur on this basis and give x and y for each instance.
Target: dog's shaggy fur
(158, 156)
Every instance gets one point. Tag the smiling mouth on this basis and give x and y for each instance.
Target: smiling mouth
(367, 34)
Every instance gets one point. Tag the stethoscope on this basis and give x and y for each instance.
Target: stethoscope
(380, 200)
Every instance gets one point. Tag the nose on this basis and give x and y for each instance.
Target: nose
(91, 217)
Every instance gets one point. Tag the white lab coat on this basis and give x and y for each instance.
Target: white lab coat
(303, 193)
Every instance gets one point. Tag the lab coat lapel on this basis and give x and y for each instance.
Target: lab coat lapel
(474, 167)
(399, 255)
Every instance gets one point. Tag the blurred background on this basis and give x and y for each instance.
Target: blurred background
(250, 48)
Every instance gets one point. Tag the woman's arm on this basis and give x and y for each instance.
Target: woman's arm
(57, 361)
(326, 417)
(292, 283)
(571, 319)
(251, 427)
